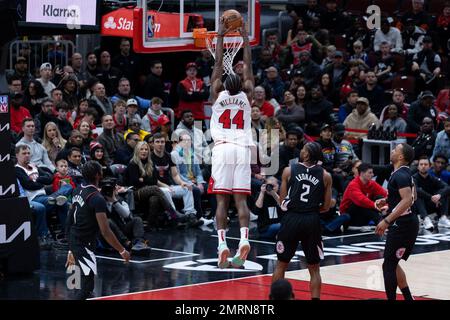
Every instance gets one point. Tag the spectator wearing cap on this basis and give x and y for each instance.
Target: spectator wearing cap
(124, 154)
(390, 35)
(192, 93)
(328, 147)
(132, 111)
(310, 70)
(442, 145)
(296, 80)
(290, 111)
(274, 82)
(100, 102)
(318, 111)
(344, 149)
(135, 127)
(361, 118)
(259, 100)
(373, 92)
(21, 71)
(44, 117)
(426, 139)
(263, 62)
(337, 70)
(347, 108)
(97, 153)
(45, 72)
(150, 120)
(110, 140)
(107, 74)
(419, 109)
(426, 66)
(418, 15)
(124, 93)
(17, 112)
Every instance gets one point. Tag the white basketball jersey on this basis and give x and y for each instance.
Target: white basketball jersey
(231, 119)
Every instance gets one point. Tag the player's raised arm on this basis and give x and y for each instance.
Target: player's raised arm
(249, 79)
(216, 77)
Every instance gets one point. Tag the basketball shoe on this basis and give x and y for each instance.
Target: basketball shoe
(241, 255)
(224, 252)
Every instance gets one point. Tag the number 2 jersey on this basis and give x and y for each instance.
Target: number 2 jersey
(231, 120)
(306, 189)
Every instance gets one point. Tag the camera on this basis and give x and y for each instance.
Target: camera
(269, 187)
(108, 186)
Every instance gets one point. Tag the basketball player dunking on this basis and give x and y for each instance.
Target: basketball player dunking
(231, 155)
(306, 190)
(403, 224)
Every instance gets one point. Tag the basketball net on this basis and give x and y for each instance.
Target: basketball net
(231, 46)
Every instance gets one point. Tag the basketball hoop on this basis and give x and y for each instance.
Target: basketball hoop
(232, 42)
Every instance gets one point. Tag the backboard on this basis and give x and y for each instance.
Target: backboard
(168, 25)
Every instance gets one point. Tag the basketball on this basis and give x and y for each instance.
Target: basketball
(233, 19)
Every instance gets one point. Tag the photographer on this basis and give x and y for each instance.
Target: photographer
(128, 229)
(268, 210)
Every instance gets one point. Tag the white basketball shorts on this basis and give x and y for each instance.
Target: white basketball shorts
(231, 171)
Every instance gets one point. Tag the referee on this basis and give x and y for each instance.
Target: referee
(87, 215)
(306, 190)
(403, 224)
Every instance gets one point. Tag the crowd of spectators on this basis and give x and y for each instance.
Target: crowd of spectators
(330, 81)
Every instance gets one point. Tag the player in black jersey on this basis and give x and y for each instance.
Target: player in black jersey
(306, 190)
(87, 215)
(403, 224)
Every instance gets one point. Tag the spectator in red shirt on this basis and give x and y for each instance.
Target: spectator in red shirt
(360, 198)
(18, 113)
(61, 177)
(259, 100)
(192, 92)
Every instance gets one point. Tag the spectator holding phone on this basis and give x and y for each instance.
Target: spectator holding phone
(268, 210)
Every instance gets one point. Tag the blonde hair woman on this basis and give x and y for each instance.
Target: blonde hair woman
(149, 198)
(53, 142)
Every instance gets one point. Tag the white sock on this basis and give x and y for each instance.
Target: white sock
(244, 233)
(221, 233)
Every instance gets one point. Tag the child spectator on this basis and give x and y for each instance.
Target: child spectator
(150, 120)
(61, 179)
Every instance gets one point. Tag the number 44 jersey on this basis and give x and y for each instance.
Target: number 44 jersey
(305, 189)
(231, 119)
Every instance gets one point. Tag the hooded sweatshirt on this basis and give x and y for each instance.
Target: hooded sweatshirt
(361, 122)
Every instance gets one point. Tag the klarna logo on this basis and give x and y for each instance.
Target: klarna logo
(53, 11)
